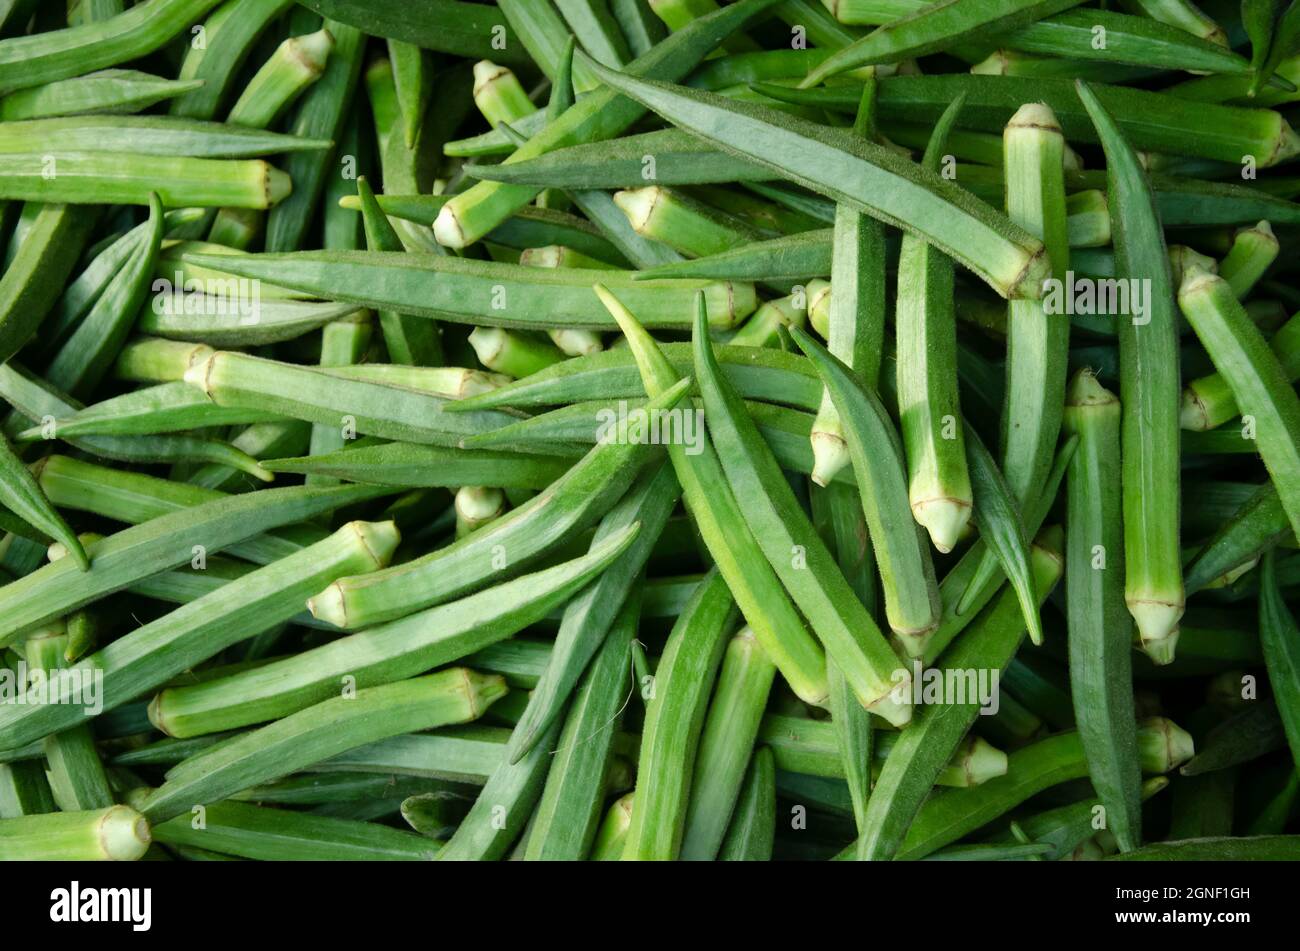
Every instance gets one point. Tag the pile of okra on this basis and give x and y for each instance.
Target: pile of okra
(649, 429)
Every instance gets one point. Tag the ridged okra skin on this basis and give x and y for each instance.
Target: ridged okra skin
(472, 430)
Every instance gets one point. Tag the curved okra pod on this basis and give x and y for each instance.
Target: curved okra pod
(152, 654)
(109, 90)
(481, 292)
(382, 654)
(81, 362)
(599, 115)
(36, 272)
(1100, 628)
(726, 744)
(856, 322)
(570, 504)
(21, 494)
(922, 750)
(565, 824)
(455, 695)
(1149, 368)
(849, 169)
(411, 465)
(716, 512)
(502, 812)
(793, 548)
(236, 380)
(906, 571)
(80, 294)
(1263, 391)
(674, 718)
(46, 57)
(114, 834)
(938, 480)
(933, 28)
(158, 545)
(589, 617)
(753, 824)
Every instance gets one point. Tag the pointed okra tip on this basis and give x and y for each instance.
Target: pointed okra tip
(70, 544)
(651, 363)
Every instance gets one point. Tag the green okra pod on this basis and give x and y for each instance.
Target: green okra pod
(1149, 376)
(674, 718)
(113, 834)
(1100, 633)
(455, 695)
